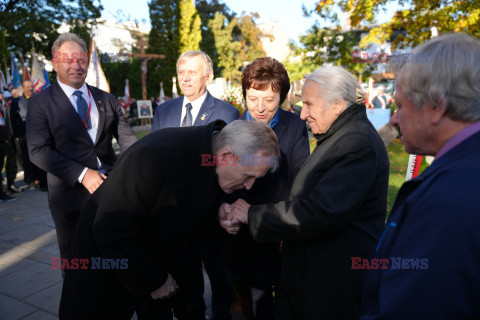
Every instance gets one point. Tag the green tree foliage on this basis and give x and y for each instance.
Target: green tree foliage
(229, 59)
(334, 46)
(249, 37)
(163, 39)
(4, 58)
(34, 23)
(190, 33)
(411, 26)
(206, 10)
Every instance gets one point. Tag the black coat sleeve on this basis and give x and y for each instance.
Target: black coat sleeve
(122, 131)
(337, 195)
(128, 199)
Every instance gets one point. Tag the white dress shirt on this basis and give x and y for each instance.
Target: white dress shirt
(196, 105)
(93, 113)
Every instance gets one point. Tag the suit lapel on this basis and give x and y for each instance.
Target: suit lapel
(206, 111)
(64, 104)
(176, 116)
(100, 103)
(281, 126)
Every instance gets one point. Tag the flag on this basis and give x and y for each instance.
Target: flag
(370, 94)
(38, 78)
(126, 100)
(47, 79)
(174, 89)
(3, 83)
(95, 75)
(15, 74)
(9, 80)
(161, 95)
(26, 75)
(413, 168)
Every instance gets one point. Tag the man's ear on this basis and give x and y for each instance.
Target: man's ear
(209, 78)
(437, 111)
(225, 154)
(339, 106)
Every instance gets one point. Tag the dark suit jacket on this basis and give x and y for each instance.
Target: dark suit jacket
(59, 143)
(155, 197)
(18, 125)
(168, 114)
(258, 264)
(335, 211)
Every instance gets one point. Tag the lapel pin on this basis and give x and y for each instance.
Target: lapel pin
(203, 116)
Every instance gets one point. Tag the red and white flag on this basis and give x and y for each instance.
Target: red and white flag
(38, 77)
(126, 100)
(413, 168)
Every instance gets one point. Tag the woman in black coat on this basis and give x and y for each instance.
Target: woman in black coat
(336, 207)
(265, 85)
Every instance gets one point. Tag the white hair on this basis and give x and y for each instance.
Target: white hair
(247, 138)
(207, 62)
(449, 71)
(336, 83)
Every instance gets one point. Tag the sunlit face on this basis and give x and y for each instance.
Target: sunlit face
(192, 78)
(262, 104)
(413, 124)
(319, 116)
(235, 176)
(71, 63)
(27, 87)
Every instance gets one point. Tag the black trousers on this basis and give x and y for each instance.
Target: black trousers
(28, 172)
(3, 153)
(11, 166)
(65, 223)
(205, 247)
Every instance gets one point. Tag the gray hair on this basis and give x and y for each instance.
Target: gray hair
(207, 62)
(450, 71)
(336, 84)
(68, 37)
(247, 138)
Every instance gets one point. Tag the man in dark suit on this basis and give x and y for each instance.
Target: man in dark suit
(69, 133)
(198, 107)
(18, 121)
(161, 190)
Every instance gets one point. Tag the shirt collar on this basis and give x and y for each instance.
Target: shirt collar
(458, 138)
(70, 90)
(197, 104)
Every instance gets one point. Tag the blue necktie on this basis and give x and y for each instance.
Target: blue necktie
(188, 119)
(82, 108)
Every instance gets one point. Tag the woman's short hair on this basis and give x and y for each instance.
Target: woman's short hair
(262, 73)
(337, 83)
(445, 68)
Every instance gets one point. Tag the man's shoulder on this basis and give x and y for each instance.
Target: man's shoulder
(44, 94)
(99, 91)
(224, 105)
(171, 103)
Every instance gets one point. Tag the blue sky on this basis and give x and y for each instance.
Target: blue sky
(288, 13)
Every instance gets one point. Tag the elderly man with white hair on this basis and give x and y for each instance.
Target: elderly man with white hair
(336, 207)
(432, 237)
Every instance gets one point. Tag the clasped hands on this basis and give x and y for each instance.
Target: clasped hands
(231, 216)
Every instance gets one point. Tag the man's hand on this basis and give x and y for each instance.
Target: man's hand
(166, 290)
(92, 180)
(239, 211)
(232, 226)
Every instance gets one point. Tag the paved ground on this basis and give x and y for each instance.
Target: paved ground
(29, 288)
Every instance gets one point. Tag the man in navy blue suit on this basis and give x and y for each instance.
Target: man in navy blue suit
(69, 131)
(197, 108)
